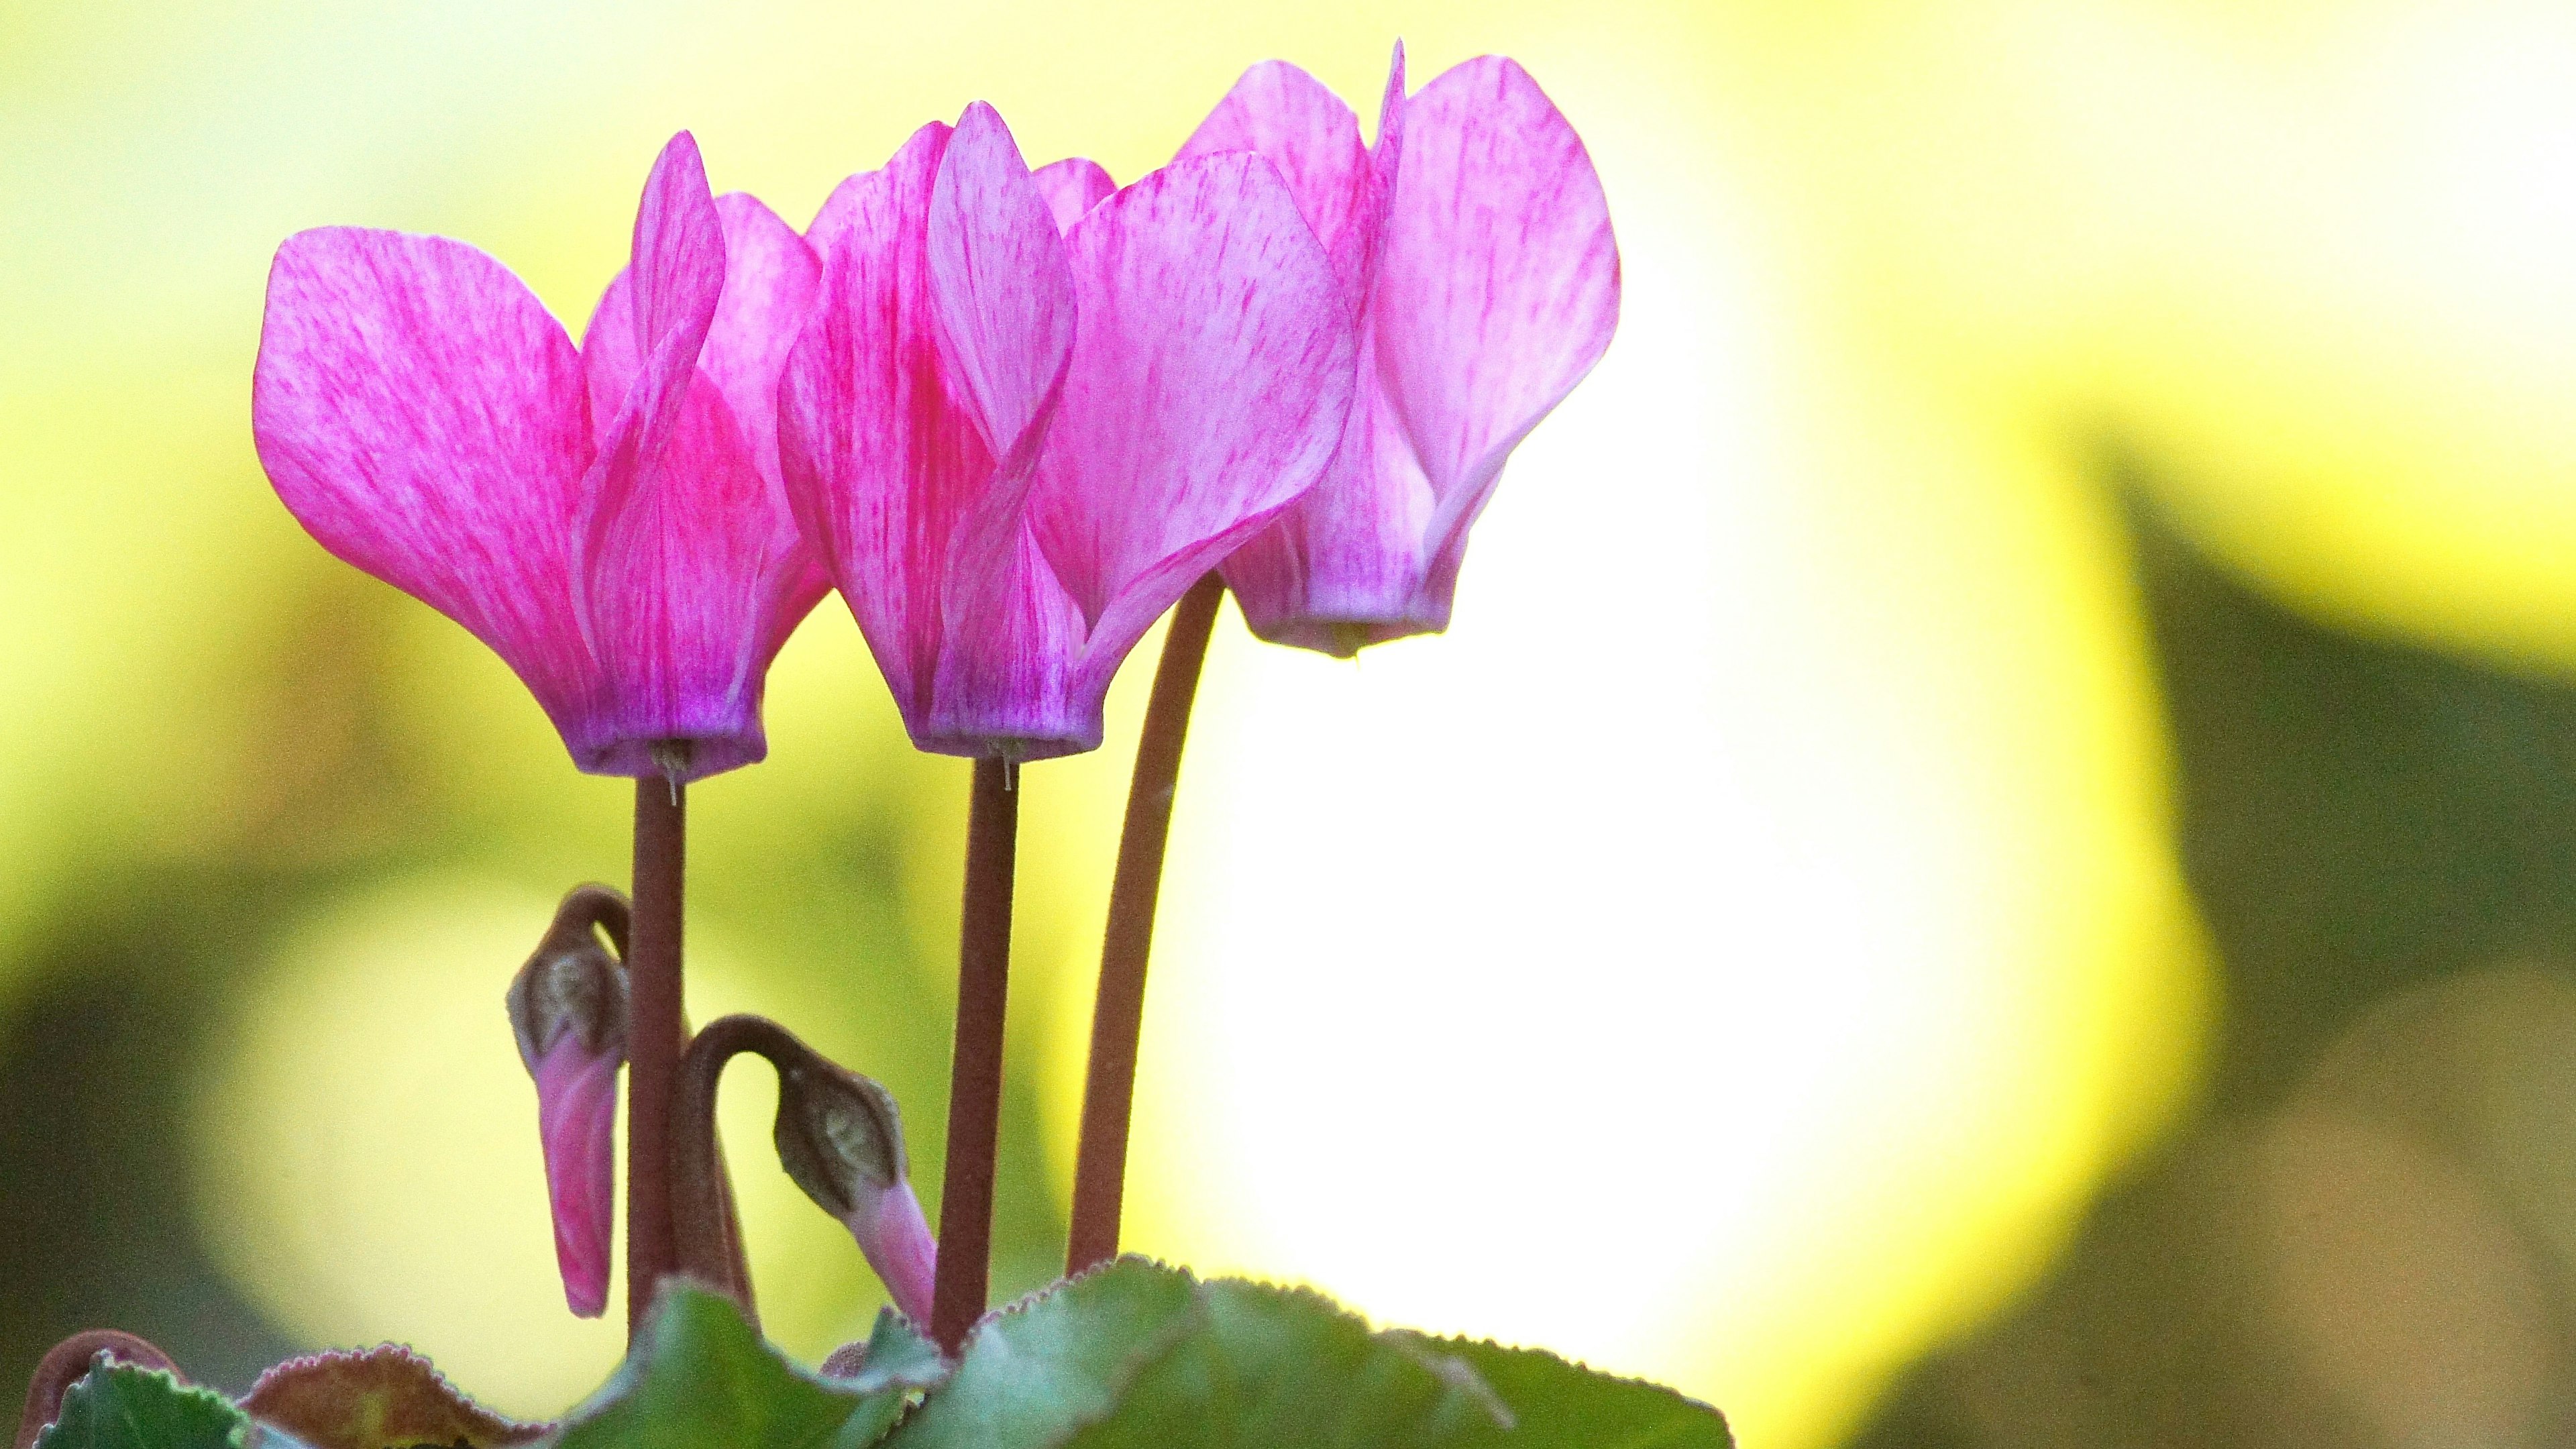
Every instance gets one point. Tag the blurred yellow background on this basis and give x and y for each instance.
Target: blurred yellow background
(1735, 954)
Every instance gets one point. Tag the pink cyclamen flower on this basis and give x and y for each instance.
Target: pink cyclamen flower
(1028, 415)
(609, 520)
(568, 1013)
(1475, 245)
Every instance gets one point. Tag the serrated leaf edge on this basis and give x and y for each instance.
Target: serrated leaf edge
(521, 1431)
(242, 1423)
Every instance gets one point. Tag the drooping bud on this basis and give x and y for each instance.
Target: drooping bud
(840, 1137)
(568, 1010)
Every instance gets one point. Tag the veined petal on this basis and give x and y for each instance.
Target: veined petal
(1309, 133)
(662, 302)
(1497, 288)
(772, 278)
(1341, 567)
(1072, 187)
(1006, 685)
(421, 414)
(999, 283)
(879, 462)
(1208, 388)
(650, 341)
(576, 1118)
(692, 593)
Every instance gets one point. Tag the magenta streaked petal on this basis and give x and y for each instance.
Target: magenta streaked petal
(1072, 187)
(576, 1118)
(879, 462)
(895, 1238)
(686, 601)
(1309, 133)
(771, 280)
(421, 415)
(911, 418)
(1497, 289)
(1208, 388)
(1005, 684)
(1341, 566)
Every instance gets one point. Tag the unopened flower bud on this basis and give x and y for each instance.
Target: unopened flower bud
(568, 1010)
(840, 1137)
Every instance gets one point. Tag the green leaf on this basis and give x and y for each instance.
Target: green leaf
(1287, 1368)
(386, 1397)
(119, 1406)
(702, 1378)
(1555, 1403)
(1042, 1368)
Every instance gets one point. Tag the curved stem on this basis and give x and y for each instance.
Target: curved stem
(64, 1365)
(653, 1037)
(964, 1273)
(1118, 1011)
(706, 1242)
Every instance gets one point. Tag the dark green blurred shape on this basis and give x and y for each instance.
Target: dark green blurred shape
(2382, 841)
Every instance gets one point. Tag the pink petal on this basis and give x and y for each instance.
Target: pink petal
(1341, 567)
(658, 309)
(878, 461)
(694, 569)
(421, 415)
(576, 1118)
(1309, 133)
(1072, 187)
(771, 281)
(1498, 287)
(694, 590)
(913, 409)
(895, 1238)
(1208, 389)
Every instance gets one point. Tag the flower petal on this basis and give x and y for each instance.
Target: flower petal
(694, 590)
(771, 281)
(576, 1118)
(1497, 289)
(878, 462)
(1072, 187)
(895, 1238)
(1341, 566)
(1309, 133)
(1208, 388)
(421, 415)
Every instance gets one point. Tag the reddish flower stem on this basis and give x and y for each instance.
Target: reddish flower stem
(653, 1038)
(706, 1241)
(64, 1365)
(1118, 1010)
(964, 1274)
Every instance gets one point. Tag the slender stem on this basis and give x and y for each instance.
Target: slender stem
(964, 1273)
(653, 1037)
(1118, 1011)
(704, 1236)
(64, 1365)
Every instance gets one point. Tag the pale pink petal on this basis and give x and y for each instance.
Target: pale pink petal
(1072, 187)
(1309, 133)
(1208, 388)
(879, 462)
(1341, 566)
(895, 1238)
(1497, 290)
(576, 1120)
(832, 219)
(421, 414)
